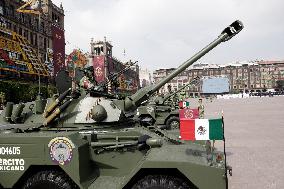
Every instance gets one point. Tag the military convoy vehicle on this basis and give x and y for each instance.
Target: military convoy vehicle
(163, 111)
(81, 141)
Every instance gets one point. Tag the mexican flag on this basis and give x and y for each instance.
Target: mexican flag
(183, 104)
(201, 129)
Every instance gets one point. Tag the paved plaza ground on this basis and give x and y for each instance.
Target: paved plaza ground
(254, 131)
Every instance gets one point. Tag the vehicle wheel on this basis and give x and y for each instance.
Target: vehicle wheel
(49, 179)
(160, 182)
(172, 123)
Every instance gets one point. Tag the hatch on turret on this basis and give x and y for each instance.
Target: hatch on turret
(85, 110)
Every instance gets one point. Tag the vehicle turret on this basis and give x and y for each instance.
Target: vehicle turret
(92, 106)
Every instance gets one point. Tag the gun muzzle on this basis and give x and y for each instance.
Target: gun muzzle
(233, 29)
(52, 107)
(57, 112)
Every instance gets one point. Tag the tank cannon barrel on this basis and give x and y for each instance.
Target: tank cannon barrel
(135, 100)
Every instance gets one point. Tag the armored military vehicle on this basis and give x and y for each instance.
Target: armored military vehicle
(162, 111)
(80, 141)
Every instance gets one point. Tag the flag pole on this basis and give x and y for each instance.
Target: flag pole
(225, 156)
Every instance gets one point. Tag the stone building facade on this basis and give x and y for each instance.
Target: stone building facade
(41, 36)
(253, 76)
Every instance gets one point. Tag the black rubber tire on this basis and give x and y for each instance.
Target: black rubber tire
(160, 182)
(170, 121)
(48, 180)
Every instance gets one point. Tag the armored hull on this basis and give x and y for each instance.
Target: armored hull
(103, 163)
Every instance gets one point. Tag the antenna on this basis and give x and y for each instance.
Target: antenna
(124, 53)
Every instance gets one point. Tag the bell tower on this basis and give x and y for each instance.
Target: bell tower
(101, 48)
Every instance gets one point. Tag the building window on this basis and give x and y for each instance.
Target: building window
(36, 43)
(20, 31)
(22, 18)
(42, 26)
(26, 35)
(40, 42)
(44, 43)
(36, 23)
(31, 38)
(235, 86)
(251, 86)
(9, 25)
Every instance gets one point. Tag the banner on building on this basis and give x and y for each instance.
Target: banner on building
(99, 68)
(58, 48)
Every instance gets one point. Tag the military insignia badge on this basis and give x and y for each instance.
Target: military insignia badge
(61, 150)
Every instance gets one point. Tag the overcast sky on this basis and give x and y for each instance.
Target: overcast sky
(164, 33)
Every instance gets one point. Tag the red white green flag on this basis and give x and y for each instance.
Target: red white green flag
(183, 104)
(201, 129)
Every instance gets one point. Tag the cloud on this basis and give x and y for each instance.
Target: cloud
(164, 33)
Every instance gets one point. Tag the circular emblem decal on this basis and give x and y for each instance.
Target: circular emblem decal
(61, 150)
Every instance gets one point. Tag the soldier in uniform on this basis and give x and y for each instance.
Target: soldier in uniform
(88, 80)
(170, 100)
(182, 95)
(175, 99)
(201, 109)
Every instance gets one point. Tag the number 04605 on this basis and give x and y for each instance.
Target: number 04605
(10, 150)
